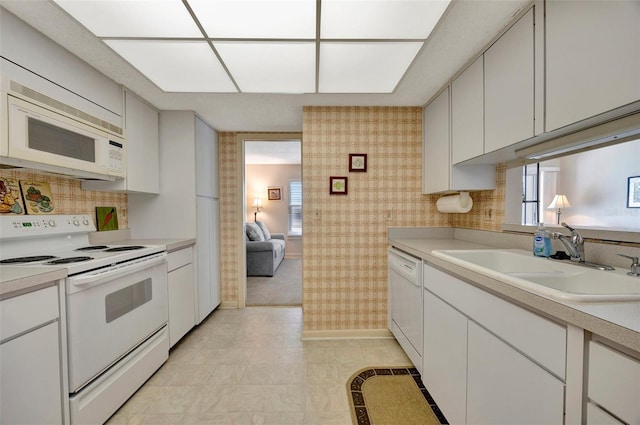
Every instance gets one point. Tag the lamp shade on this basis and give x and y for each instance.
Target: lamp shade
(559, 201)
(257, 202)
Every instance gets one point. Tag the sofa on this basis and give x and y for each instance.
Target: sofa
(265, 250)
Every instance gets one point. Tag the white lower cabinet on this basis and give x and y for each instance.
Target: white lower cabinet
(505, 387)
(181, 282)
(487, 361)
(30, 359)
(613, 382)
(445, 357)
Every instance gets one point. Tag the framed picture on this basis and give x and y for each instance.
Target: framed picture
(338, 185)
(358, 162)
(274, 193)
(633, 192)
(106, 218)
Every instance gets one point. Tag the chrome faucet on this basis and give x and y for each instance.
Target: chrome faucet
(574, 244)
(575, 247)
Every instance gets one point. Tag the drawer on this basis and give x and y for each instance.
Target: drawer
(177, 259)
(22, 313)
(539, 338)
(614, 382)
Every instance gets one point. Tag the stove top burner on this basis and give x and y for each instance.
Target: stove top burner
(69, 260)
(92, 248)
(31, 259)
(124, 248)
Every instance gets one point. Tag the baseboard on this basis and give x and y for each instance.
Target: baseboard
(225, 305)
(295, 255)
(348, 334)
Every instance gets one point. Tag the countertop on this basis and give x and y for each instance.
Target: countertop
(169, 244)
(17, 280)
(618, 322)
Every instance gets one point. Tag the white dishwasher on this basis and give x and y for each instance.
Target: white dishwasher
(405, 303)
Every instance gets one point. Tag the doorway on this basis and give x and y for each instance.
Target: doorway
(272, 183)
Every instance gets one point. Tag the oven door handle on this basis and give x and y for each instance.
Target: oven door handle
(118, 270)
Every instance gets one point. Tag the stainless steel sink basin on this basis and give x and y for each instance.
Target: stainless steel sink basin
(555, 279)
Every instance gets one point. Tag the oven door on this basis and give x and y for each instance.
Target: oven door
(110, 315)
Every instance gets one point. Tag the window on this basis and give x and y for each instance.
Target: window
(530, 193)
(295, 207)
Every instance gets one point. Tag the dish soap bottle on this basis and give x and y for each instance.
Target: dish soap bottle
(541, 242)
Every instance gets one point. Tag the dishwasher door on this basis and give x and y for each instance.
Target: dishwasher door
(405, 303)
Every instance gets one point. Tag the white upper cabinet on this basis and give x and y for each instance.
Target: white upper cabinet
(438, 175)
(467, 113)
(143, 161)
(435, 147)
(509, 86)
(592, 59)
(206, 160)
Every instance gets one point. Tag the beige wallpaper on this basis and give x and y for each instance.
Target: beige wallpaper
(69, 198)
(231, 217)
(345, 236)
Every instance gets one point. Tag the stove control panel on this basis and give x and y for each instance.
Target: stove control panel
(20, 226)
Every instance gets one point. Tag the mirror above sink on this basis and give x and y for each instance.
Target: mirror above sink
(557, 279)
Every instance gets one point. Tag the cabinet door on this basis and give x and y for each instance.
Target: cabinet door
(208, 261)
(143, 160)
(445, 357)
(509, 86)
(592, 58)
(206, 160)
(436, 160)
(31, 384)
(505, 387)
(467, 113)
(182, 315)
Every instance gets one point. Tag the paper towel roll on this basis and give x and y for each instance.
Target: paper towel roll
(460, 203)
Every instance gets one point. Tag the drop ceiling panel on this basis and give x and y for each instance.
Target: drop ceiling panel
(257, 18)
(381, 19)
(176, 66)
(108, 18)
(364, 67)
(270, 67)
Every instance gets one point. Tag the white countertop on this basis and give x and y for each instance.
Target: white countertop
(617, 321)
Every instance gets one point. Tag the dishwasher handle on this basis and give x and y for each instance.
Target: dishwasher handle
(407, 266)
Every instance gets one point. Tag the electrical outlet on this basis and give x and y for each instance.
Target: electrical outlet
(487, 214)
(388, 215)
(316, 214)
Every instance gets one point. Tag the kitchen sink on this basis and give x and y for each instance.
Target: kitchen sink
(555, 279)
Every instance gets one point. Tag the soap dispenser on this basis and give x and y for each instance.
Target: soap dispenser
(541, 242)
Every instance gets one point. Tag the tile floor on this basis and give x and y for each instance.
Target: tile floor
(249, 366)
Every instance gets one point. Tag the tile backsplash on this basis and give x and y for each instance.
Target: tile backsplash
(69, 198)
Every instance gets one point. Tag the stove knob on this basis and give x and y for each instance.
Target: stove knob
(52, 223)
(76, 222)
(85, 221)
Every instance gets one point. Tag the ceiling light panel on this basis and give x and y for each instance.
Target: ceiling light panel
(270, 67)
(176, 66)
(364, 67)
(380, 19)
(252, 19)
(133, 18)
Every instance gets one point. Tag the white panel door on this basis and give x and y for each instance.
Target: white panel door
(143, 158)
(436, 160)
(208, 256)
(182, 315)
(592, 58)
(509, 86)
(444, 370)
(505, 387)
(467, 113)
(31, 387)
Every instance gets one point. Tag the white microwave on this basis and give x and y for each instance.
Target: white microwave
(50, 141)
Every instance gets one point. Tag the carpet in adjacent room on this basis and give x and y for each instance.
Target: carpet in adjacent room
(385, 396)
(283, 289)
